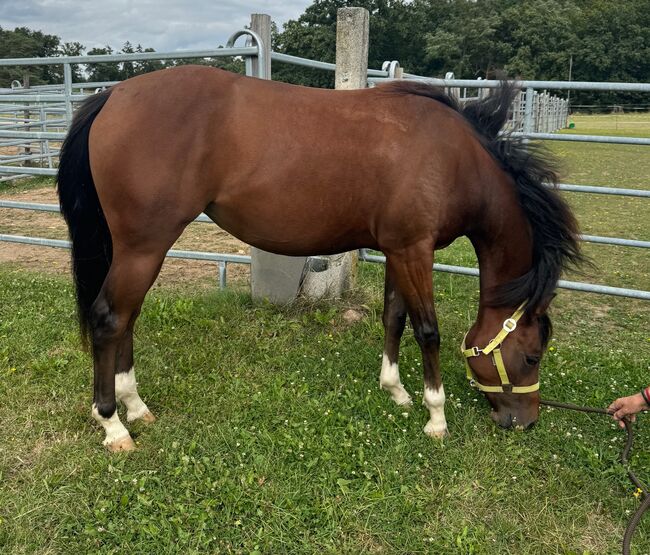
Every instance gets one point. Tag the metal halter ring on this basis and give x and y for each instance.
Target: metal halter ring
(510, 325)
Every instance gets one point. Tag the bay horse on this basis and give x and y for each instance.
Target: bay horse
(400, 168)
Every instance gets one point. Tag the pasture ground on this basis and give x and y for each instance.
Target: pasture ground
(272, 435)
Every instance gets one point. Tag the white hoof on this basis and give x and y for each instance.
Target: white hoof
(126, 391)
(436, 431)
(389, 381)
(402, 398)
(121, 444)
(148, 418)
(142, 413)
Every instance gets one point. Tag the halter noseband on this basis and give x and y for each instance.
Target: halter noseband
(493, 348)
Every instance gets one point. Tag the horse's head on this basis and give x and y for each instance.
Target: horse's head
(502, 353)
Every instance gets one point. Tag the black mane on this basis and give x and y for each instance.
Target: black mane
(533, 169)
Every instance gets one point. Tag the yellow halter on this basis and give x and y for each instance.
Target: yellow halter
(493, 347)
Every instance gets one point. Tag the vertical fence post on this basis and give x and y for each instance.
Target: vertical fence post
(27, 117)
(274, 277)
(67, 90)
(351, 73)
(351, 48)
(528, 111)
(222, 275)
(261, 24)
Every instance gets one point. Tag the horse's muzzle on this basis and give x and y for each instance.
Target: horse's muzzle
(509, 421)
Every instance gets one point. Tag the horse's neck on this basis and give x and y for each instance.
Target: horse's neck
(503, 244)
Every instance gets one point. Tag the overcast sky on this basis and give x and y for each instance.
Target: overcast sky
(165, 25)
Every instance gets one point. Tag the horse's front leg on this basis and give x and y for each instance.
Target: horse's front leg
(394, 319)
(411, 269)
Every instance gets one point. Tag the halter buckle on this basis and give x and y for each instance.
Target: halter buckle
(510, 325)
(476, 351)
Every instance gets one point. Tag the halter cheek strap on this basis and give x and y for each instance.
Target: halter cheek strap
(494, 348)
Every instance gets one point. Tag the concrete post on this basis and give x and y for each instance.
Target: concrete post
(351, 48)
(273, 277)
(261, 24)
(351, 73)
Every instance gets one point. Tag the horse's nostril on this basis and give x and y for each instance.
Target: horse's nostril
(502, 421)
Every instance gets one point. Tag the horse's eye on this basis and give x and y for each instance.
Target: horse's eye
(532, 360)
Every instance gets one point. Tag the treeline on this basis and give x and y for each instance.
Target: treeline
(531, 39)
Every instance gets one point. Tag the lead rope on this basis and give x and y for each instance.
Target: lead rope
(645, 504)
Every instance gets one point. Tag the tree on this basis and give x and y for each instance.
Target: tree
(147, 66)
(74, 49)
(532, 39)
(313, 36)
(25, 43)
(105, 71)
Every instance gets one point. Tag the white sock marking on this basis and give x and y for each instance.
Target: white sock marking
(389, 380)
(115, 430)
(126, 390)
(434, 400)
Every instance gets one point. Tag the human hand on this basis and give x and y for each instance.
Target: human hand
(627, 406)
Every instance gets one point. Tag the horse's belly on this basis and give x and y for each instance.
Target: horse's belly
(289, 231)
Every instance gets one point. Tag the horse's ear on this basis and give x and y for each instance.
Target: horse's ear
(542, 307)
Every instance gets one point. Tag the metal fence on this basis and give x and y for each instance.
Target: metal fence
(549, 112)
(34, 121)
(536, 121)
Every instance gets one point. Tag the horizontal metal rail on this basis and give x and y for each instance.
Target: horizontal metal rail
(31, 171)
(328, 66)
(47, 109)
(571, 285)
(135, 57)
(221, 259)
(615, 241)
(22, 123)
(298, 61)
(36, 135)
(610, 139)
(243, 259)
(194, 255)
(205, 219)
(42, 156)
(46, 97)
(13, 177)
(555, 85)
(603, 190)
(363, 255)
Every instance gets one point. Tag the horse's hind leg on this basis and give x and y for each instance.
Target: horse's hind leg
(394, 319)
(126, 389)
(411, 270)
(113, 314)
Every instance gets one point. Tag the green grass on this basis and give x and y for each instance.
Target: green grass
(273, 437)
(290, 446)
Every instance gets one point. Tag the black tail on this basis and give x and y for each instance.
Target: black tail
(92, 247)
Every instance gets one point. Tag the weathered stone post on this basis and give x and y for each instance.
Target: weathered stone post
(273, 277)
(351, 73)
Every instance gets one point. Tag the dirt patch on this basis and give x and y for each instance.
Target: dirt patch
(198, 236)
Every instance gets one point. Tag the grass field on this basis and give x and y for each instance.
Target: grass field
(272, 435)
